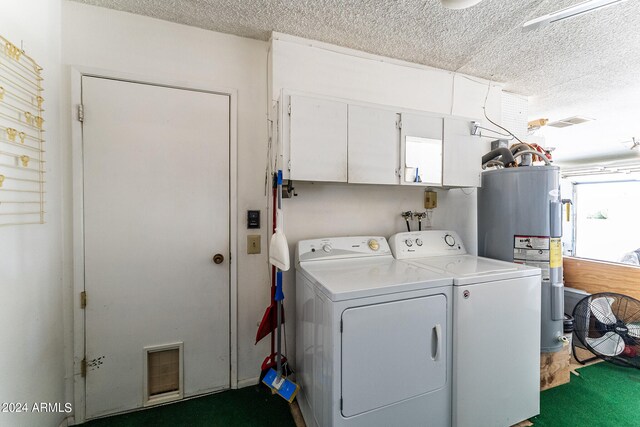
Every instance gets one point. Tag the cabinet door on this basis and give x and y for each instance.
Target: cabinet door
(373, 146)
(317, 139)
(392, 352)
(462, 156)
(421, 150)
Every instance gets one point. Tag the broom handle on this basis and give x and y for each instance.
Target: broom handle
(273, 267)
(279, 304)
(278, 354)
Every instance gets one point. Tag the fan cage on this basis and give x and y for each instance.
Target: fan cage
(605, 333)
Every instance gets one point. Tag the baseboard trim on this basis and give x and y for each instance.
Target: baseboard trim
(248, 382)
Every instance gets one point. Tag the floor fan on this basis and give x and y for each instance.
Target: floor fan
(608, 325)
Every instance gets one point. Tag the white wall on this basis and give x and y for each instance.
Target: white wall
(152, 49)
(328, 209)
(31, 362)
(328, 70)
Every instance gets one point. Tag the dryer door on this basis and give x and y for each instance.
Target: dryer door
(392, 352)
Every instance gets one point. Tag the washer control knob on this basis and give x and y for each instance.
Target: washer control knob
(408, 242)
(449, 240)
(327, 248)
(419, 242)
(374, 245)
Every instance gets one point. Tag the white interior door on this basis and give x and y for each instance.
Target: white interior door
(156, 210)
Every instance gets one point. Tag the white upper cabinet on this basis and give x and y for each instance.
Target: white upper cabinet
(421, 150)
(317, 139)
(373, 148)
(462, 156)
(336, 141)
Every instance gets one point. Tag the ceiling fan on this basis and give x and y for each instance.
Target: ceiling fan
(569, 12)
(635, 143)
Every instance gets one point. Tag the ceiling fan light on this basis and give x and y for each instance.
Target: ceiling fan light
(459, 4)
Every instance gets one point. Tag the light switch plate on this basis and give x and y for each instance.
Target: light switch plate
(253, 244)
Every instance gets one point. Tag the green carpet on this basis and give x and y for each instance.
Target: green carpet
(248, 407)
(604, 395)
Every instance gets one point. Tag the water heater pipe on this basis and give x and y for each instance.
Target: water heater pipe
(536, 153)
(503, 152)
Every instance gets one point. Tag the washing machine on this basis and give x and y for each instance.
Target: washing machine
(373, 336)
(496, 329)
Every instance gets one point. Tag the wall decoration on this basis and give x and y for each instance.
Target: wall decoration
(22, 164)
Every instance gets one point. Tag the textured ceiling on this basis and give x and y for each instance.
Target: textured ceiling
(588, 65)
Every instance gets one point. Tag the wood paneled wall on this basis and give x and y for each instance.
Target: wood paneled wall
(599, 276)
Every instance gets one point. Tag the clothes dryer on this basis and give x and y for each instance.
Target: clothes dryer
(373, 341)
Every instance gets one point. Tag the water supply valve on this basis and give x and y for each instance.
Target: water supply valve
(407, 216)
(420, 216)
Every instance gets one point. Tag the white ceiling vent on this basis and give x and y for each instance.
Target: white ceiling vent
(559, 124)
(571, 121)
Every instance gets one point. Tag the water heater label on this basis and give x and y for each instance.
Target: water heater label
(533, 251)
(556, 253)
(531, 242)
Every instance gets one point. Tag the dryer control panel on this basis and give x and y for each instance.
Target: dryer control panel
(332, 248)
(420, 244)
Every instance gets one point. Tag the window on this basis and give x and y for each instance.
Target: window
(606, 221)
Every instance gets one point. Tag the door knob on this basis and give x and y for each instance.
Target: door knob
(218, 258)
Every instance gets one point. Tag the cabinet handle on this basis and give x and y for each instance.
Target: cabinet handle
(218, 258)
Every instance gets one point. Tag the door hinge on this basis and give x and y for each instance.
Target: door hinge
(83, 299)
(399, 124)
(83, 367)
(341, 326)
(80, 113)
(289, 109)
(341, 404)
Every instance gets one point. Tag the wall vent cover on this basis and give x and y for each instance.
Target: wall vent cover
(569, 121)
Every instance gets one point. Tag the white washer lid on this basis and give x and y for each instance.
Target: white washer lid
(470, 269)
(347, 279)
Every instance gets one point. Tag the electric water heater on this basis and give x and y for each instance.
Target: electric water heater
(520, 220)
